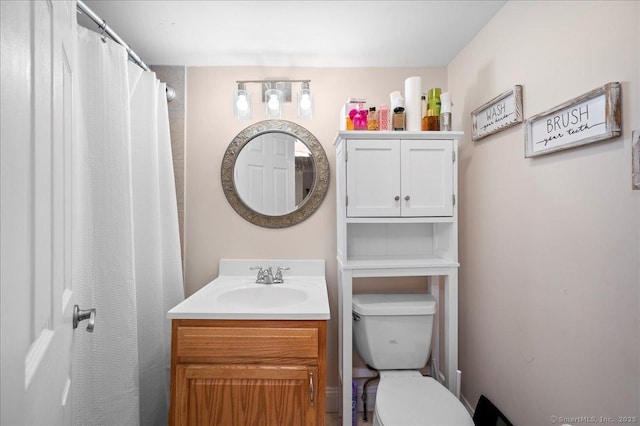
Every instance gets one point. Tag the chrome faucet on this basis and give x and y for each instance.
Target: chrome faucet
(265, 275)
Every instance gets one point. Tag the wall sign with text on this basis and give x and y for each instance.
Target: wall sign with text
(592, 117)
(635, 159)
(501, 112)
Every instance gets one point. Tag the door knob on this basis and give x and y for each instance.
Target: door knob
(81, 315)
(397, 198)
(407, 198)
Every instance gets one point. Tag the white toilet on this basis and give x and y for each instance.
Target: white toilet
(393, 335)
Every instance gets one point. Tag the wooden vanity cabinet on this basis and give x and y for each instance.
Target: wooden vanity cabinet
(246, 372)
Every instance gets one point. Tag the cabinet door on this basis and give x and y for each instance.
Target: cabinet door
(373, 181)
(427, 178)
(239, 395)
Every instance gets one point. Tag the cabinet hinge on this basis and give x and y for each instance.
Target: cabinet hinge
(454, 156)
(346, 200)
(454, 199)
(346, 156)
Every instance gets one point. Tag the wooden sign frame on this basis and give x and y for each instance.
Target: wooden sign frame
(635, 159)
(589, 118)
(500, 113)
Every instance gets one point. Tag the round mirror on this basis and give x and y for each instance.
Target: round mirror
(275, 173)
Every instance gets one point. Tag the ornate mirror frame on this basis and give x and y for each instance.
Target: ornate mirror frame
(310, 203)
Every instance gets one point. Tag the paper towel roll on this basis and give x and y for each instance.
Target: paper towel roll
(412, 91)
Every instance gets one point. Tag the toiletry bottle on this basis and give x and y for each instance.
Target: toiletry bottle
(349, 123)
(433, 109)
(423, 111)
(399, 119)
(383, 117)
(359, 117)
(445, 111)
(372, 119)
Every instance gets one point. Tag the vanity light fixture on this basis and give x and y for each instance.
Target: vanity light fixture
(274, 94)
(242, 103)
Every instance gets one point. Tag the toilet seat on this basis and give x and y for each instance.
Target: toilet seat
(406, 398)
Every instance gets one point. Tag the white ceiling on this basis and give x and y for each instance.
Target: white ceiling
(296, 33)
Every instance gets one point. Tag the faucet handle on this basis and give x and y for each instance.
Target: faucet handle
(278, 277)
(261, 272)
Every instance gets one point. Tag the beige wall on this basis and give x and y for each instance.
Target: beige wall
(212, 228)
(550, 247)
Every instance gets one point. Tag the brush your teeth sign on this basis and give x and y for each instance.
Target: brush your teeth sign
(586, 119)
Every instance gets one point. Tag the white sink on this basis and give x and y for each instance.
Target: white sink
(263, 296)
(236, 295)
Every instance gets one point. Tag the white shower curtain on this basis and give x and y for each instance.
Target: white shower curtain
(126, 260)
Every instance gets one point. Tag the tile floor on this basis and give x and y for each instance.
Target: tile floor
(332, 419)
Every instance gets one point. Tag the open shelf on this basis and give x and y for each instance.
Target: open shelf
(394, 262)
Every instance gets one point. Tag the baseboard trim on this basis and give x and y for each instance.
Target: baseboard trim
(332, 402)
(467, 405)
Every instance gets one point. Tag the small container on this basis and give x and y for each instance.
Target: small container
(445, 121)
(431, 122)
(423, 110)
(359, 118)
(383, 118)
(352, 103)
(354, 403)
(433, 102)
(349, 123)
(445, 111)
(399, 119)
(372, 119)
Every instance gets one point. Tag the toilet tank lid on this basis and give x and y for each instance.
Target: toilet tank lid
(394, 304)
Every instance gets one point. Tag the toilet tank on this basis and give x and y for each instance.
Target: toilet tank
(393, 331)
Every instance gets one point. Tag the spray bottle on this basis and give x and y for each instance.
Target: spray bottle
(445, 111)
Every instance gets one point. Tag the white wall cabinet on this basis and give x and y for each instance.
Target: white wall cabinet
(397, 216)
(399, 178)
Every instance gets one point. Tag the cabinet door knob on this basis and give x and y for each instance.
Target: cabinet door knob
(407, 198)
(397, 198)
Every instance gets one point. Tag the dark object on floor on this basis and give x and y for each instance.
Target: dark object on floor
(487, 414)
(364, 392)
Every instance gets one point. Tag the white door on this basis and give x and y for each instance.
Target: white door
(37, 132)
(373, 179)
(427, 178)
(265, 174)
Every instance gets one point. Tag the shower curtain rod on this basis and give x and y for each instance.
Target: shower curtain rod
(133, 56)
(102, 24)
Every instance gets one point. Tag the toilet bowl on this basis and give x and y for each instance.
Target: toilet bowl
(392, 334)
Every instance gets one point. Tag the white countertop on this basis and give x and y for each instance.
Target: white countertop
(235, 294)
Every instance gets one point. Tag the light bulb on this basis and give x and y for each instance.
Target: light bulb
(273, 102)
(305, 102)
(242, 103)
